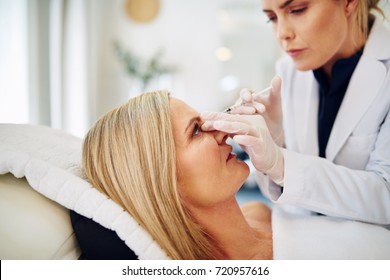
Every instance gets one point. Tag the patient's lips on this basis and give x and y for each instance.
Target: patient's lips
(231, 156)
(229, 153)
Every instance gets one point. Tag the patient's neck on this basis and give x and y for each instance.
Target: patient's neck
(232, 236)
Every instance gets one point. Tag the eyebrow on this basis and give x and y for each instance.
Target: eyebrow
(191, 121)
(284, 5)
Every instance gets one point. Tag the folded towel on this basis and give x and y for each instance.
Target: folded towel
(51, 162)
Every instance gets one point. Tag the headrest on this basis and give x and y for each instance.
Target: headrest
(50, 160)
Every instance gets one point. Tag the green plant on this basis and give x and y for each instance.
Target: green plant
(137, 68)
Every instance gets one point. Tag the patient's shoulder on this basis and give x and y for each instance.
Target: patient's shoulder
(257, 214)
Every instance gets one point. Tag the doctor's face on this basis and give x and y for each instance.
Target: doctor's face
(315, 33)
(208, 173)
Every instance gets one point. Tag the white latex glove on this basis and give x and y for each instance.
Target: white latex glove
(268, 105)
(251, 132)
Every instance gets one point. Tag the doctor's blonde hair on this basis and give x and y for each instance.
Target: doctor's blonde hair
(362, 12)
(129, 155)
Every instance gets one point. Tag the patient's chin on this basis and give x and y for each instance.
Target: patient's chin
(242, 165)
(242, 170)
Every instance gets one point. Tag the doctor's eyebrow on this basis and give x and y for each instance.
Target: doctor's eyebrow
(285, 4)
(282, 6)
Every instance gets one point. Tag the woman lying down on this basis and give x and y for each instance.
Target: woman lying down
(178, 182)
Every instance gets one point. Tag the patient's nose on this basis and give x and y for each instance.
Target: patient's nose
(220, 136)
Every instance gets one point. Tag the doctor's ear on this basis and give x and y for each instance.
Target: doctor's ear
(350, 6)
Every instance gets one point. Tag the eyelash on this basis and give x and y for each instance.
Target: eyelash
(271, 19)
(295, 11)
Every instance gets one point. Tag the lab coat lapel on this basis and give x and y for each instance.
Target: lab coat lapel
(365, 83)
(363, 87)
(310, 113)
(301, 103)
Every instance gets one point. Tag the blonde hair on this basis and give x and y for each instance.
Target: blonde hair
(129, 155)
(362, 12)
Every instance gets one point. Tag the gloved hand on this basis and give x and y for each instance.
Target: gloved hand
(268, 105)
(251, 132)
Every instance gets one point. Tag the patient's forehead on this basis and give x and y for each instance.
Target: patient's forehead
(181, 115)
(180, 109)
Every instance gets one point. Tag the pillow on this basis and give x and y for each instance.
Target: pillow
(97, 242)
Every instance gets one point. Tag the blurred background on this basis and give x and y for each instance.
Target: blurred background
(64, 63)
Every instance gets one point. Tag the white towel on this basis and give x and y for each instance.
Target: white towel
(51, 162)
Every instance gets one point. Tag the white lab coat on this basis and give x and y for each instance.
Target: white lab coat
(353, 181)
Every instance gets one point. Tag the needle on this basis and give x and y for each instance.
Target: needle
(254, 95)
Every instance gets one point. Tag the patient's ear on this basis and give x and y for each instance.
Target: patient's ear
(350, 6)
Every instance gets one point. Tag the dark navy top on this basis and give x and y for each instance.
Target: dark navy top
(331, 95)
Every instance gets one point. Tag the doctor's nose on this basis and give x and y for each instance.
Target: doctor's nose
(284, 32)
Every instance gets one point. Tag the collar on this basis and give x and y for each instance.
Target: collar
(378, 42)
(341, 72)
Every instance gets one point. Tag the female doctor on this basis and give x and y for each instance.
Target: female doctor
(321, 139)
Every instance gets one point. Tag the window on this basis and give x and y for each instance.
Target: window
(13, 62)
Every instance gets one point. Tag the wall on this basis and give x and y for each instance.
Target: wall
(189, 32)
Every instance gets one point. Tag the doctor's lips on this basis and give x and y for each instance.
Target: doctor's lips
(294, 52)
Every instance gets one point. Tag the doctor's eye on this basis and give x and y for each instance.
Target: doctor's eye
(271, 18)
(298, 10)
(197, 129)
